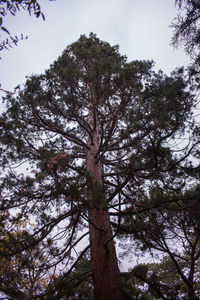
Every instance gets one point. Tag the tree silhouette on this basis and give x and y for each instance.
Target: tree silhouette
(82, 142)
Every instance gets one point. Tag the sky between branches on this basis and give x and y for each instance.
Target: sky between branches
(140, 27)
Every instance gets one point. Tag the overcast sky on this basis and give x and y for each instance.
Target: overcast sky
(139, 27)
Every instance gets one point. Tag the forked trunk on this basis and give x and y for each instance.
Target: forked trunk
(106, 274)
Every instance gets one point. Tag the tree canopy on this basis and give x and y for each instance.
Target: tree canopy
(83, 145)
(186, 27)
(173, 230)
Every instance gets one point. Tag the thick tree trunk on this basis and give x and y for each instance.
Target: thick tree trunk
(191, 293)
(106, 275)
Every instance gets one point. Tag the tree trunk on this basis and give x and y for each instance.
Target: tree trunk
(106, 274)
(191, 293)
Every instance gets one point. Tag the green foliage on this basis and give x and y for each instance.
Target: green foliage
(77, 285)
(139, 115)
(186, 27)
(171, 229)
(25, 274)
(162, 280)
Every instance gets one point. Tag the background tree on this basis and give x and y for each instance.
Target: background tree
(76, 285)
(94, 133)
(154, 281)
(173, 229)
(187, 27)
(24, 275)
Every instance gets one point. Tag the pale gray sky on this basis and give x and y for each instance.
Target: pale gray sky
(140, 27)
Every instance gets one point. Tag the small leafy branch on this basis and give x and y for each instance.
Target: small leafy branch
(9, 42)
(12, 7)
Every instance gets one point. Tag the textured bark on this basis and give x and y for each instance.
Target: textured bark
(106, 274)
(191, 293)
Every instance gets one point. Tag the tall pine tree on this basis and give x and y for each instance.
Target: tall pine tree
(78, 143)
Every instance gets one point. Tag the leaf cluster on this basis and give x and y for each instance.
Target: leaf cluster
(186, 27)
